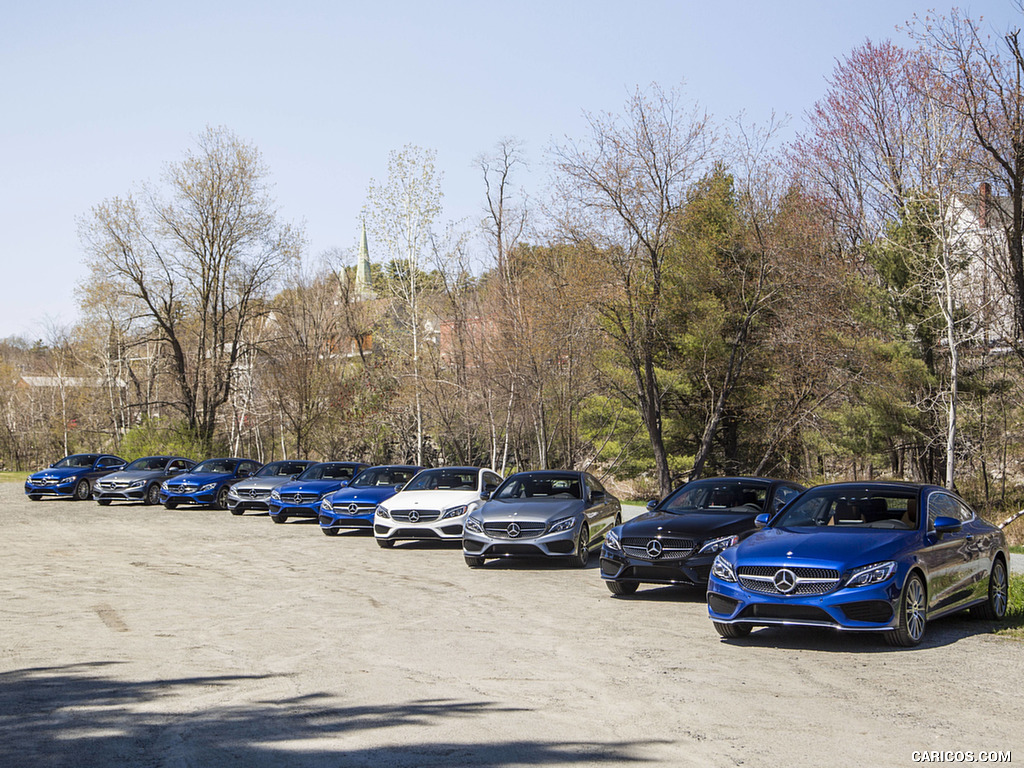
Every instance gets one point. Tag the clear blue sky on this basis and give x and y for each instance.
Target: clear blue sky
(99, 96)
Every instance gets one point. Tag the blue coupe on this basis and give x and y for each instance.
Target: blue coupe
(73, 476)
(207, 483)
(302, 496)
(352, 507)
(862, 556)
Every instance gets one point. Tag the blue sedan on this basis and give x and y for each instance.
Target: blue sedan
(352, 507)
(207, 483)
(885, 557)
(302, 496)
(73, 476)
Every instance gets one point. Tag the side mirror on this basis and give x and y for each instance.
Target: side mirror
(762, 520)
(652, 504)
(944, 525)
(485, 494)
(343, 484)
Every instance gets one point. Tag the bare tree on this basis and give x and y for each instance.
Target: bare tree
(620, 192)
(198, 263)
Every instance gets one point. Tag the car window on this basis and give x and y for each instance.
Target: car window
(783, 494)
(491, 482)
(717, 495)
(536, 486)
(216, 466)
(79, 461)
(942, 505)
(851, 507)
(444, 480)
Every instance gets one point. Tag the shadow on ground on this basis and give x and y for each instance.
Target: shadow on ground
(83, 715)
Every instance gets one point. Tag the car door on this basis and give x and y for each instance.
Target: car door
(979, 552)
(948, 558)
(601, 507)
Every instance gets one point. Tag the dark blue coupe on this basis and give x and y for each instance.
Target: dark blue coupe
(207, 483)
(353, 506)
(73, 476)
(302, 496)
(862, 556)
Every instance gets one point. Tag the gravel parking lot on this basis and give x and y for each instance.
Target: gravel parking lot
(135, 636)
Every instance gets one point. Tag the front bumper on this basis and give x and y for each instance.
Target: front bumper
(61, 488)
(362, 520)
(236, 504)
(448, 529)
(692, 570)
(199, 498)
(524, 544)
(119, 494)
(870, 608)
(295, 510)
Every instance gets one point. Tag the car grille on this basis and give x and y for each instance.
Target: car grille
(806, 581)
(515, 530)
(299, 498)
(415, 515)
(183, 488)
(354, 509)
(253, 493)
(868, 610)
(113, 485)
(47, 481)
(655, 548)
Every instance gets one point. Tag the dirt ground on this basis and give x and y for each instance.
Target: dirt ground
(136, 636)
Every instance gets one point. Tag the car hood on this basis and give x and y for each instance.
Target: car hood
(367, 495)
(60, 474)
(263, 483)
(309, 486)
(699, 525)
(841, 548)
(523, 509)
(201, 478)
(135, 474)
(431, 499)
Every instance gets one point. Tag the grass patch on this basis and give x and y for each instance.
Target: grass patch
(13, 477)
(1017, 549)
(1014, 624)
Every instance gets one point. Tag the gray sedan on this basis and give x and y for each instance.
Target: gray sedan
(550, 513)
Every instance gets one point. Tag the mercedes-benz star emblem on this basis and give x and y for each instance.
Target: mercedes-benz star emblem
(784, 580)
(353, 508)
(513, 530)
(414, 516)
(654, 548)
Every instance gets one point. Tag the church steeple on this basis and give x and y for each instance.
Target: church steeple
(364, 285)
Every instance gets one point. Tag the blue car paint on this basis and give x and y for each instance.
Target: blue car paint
(352, 507)
(954, 566)
(191, 487)
(302, 496)
(62, 481)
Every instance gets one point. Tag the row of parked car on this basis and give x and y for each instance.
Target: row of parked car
(862, 556)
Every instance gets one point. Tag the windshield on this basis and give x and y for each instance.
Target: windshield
(328, 472)
(78, 461)
(444, 480)
(717, 496)
(531, 486)
(216, 466)
(282, 469)
(383, 476)
(149, 463)
(858, 508)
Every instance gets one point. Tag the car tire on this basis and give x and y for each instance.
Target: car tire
(622, 587)
(331, 531)
(279, 518)
(913, 614)
(103, 502)
(994, 608)
(385, 543)
(34, 497)
(152, 495)
(473, 561)
(732, 631)
(82, 490)
(582, 555)
(170, 504)
(237, 510)
(222, 499)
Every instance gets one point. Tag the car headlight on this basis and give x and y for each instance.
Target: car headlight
(326, 505)
(137, 484)
(474, 524)
(875, 573)
(380, 511)
(613, 541)
(164, 488)
(208, 487)
(68, 480)
(717, 545)
(275, 495)
(722, 569)
(565, 524)
(454, 511)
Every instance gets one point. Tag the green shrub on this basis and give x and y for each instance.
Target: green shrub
(160, 437)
